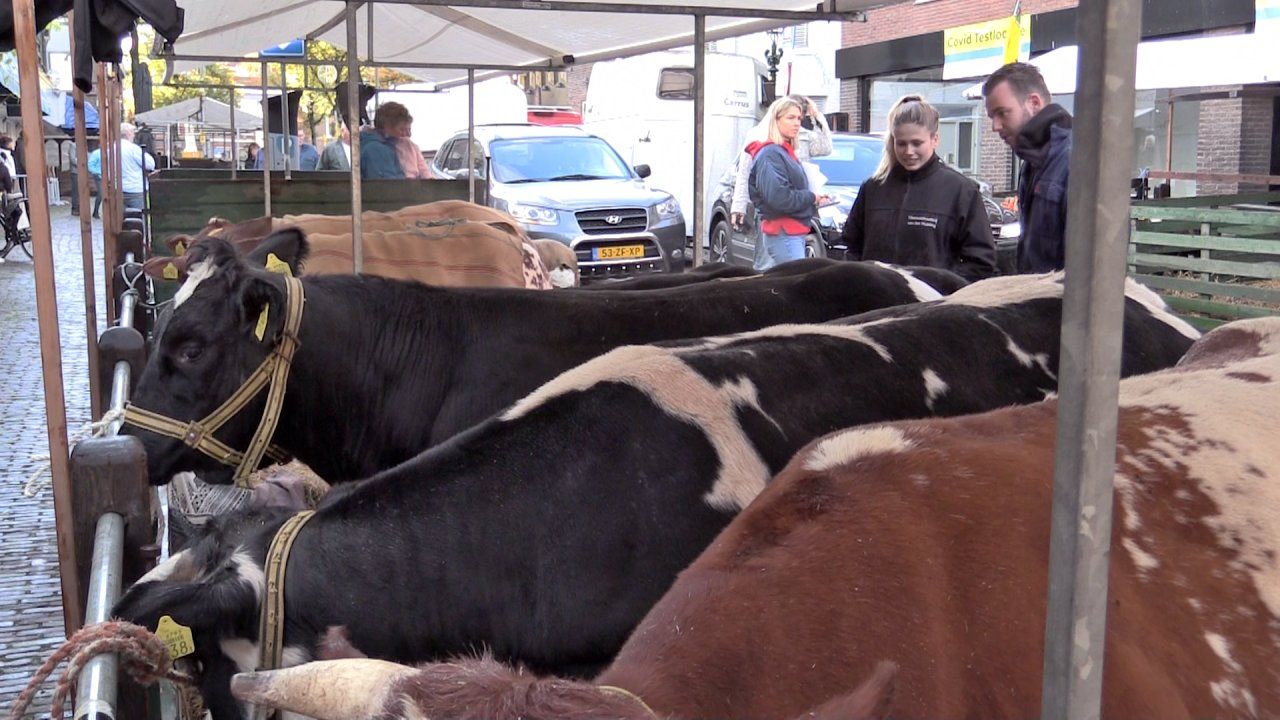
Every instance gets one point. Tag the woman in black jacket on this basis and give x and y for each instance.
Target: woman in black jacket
(915, 210)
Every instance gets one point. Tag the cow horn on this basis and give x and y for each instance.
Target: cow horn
(324, 690)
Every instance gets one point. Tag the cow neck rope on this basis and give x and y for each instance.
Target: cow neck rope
(623, 692)
(271, 626)
(274, 370)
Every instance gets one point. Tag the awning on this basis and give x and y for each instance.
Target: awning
(199, 110)
(1243, 59)
(464, 35)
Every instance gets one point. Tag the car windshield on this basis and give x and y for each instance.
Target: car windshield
(555, 158)
(852, 160)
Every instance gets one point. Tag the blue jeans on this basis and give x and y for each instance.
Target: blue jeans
(778, 249)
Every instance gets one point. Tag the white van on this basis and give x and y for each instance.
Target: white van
(644, 107)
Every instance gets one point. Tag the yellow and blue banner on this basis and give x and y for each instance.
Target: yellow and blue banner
(980, 48)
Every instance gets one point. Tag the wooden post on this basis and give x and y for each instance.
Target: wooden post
(55, 407)
(86, 241)
(107, 130)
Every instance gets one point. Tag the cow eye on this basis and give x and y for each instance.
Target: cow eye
(189, 352)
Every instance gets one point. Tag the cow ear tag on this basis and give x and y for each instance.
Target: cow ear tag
(179, 248)
(177, 638)
(261, 329)
(276, 265)
(170, 271)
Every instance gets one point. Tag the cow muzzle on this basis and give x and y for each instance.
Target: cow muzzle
(272, 373)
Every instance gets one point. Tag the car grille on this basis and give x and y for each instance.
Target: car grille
(597, 222)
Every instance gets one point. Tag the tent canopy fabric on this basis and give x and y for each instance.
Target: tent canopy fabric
(462, 35)
(1242, 59)
(205, 110)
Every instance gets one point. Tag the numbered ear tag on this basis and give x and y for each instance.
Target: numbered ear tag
(276, 265)
(175, 637)
(261, 328)
(170, 271)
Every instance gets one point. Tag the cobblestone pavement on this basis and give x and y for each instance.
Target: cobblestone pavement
(30, 596)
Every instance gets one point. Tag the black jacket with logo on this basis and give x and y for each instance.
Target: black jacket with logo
(933, 216)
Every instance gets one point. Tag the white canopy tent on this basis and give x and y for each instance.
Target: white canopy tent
(200, 110)
(465, 35)
(1244, 59)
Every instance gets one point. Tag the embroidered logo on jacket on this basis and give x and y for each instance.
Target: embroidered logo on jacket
(924, 221)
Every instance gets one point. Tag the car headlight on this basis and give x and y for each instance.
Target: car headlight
(533, 215)
(669, 207)
(1010, 230)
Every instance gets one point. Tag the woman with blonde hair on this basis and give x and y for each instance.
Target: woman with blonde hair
(779, 188)
(915, 210)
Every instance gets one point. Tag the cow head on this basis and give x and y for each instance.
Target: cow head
(225, 320)
(213, 586)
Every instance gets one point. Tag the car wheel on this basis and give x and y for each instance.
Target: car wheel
(814, 247)
(719, 242)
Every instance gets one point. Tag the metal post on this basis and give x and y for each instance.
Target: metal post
(377, 71)
(1168, 146)
(55, 407)
(266, 147)
(86, 241)
(235, 146)
(284, 122)
(1092, 321)
(96, 688)
(699, 131)
(353, 121)
(471, 135)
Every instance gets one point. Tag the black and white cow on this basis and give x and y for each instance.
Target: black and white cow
(547, 532)
(944, 281)
(388, 368)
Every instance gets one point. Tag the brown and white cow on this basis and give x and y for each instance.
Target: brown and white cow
(926, 543)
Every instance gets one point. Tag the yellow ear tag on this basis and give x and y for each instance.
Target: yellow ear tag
(276, 265)
(261, 328)
(175, 637)
(180, 248)
(170, 271)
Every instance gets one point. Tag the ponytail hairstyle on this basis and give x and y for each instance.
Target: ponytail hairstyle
(777, 110)
(911, 109)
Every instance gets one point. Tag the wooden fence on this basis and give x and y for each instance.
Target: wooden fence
(1214, 259)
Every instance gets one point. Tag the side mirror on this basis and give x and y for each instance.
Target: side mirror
(643, 171)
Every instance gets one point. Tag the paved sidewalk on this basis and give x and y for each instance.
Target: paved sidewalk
(30, 596)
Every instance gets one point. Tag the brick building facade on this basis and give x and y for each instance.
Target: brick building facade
(902, 44)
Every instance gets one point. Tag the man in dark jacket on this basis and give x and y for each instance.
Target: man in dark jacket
(931, 216)
(1023, 114)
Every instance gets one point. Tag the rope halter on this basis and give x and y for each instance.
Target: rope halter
(273, 371)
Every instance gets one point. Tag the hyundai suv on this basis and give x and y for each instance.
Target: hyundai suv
(563, 183)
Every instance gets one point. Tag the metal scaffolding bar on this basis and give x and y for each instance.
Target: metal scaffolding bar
(1089, 371)
(265, 150)
(543, 65)
(471, 135)
(24, 34)
(699, 132)
(799, 16)
(96, 687)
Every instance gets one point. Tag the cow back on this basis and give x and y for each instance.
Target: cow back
(457, 253)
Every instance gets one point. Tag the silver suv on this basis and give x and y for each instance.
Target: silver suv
(563, 183)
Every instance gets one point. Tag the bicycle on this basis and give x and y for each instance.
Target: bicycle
(15, 225)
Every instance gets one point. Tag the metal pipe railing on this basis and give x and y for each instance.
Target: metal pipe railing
(96, 688)
(96, 692)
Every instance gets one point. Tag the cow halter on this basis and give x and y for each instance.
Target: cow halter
(273, 370)
(271, 623)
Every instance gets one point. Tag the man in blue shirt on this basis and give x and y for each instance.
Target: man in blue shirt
(134, 164)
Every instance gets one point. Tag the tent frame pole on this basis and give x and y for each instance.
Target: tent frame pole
(471, 135)
(1092, 319)
(24, 32)
(265, 150)
(235, 146)
(699, 133)
(353, 122)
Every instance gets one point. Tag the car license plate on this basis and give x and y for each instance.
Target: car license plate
(617, 252)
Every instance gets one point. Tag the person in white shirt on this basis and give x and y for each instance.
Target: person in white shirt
(337, 154)
(134, 165)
